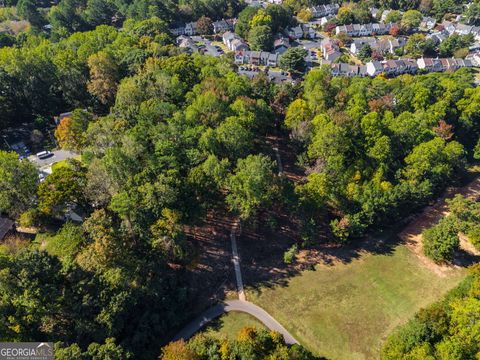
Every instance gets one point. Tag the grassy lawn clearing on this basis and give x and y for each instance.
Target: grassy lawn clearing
(64, 163)
(230, 324)
(345, 311)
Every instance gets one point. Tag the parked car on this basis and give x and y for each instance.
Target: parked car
(44, 154)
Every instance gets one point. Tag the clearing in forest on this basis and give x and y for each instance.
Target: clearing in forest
(345, 311)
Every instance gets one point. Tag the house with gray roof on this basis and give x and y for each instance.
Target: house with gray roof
(324, 10)
(355, 30)
(330, 50)
(221, 26)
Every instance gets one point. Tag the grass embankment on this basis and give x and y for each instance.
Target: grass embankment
(230, 324)
(64, 163)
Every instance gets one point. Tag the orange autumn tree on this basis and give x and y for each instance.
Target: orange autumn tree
(104, 76)
(178, 350)
(70, 132)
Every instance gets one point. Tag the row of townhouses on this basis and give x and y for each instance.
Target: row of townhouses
(461, 29)
(381, 46)
(190, 29)
(331, 51)
(398, 67)
(256, 58)
(355, 30)
(443, 64)
(324, 10)
(233, 43)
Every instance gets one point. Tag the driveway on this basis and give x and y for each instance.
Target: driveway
(57, 156)
(234, 305)
(308, 44)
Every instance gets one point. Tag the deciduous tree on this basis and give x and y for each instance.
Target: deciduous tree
(18, 184)
(104, 76)
(252, 186)
(261, 38)
(293, 59)
(70, 132)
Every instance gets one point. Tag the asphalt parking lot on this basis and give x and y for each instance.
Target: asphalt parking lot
(208, 48)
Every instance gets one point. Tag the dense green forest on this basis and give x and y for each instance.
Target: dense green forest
(374, 150)
(165, 138)
(181, 132)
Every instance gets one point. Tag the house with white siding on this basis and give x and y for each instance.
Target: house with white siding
(256, 58)
(234, 42)
(355, 30)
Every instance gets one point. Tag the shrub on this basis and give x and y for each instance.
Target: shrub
(441, 240)
(474, 236)
(404, 340)
(289, 255)
(348, 227)
(30, 218)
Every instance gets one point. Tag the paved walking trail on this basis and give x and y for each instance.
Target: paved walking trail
(236, 264)
(234, 305)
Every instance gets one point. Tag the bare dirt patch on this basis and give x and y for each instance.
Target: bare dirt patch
(412, 234)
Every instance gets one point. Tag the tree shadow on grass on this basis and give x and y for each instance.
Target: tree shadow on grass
(262, 252)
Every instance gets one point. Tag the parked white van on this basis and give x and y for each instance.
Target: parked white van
(44, 154)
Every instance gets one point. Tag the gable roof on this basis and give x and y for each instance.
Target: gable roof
(281, 42)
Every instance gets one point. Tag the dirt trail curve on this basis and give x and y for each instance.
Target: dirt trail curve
(412, 234)
(234, 305)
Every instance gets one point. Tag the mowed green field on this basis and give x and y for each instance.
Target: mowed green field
(230, 324)
(345, 311)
